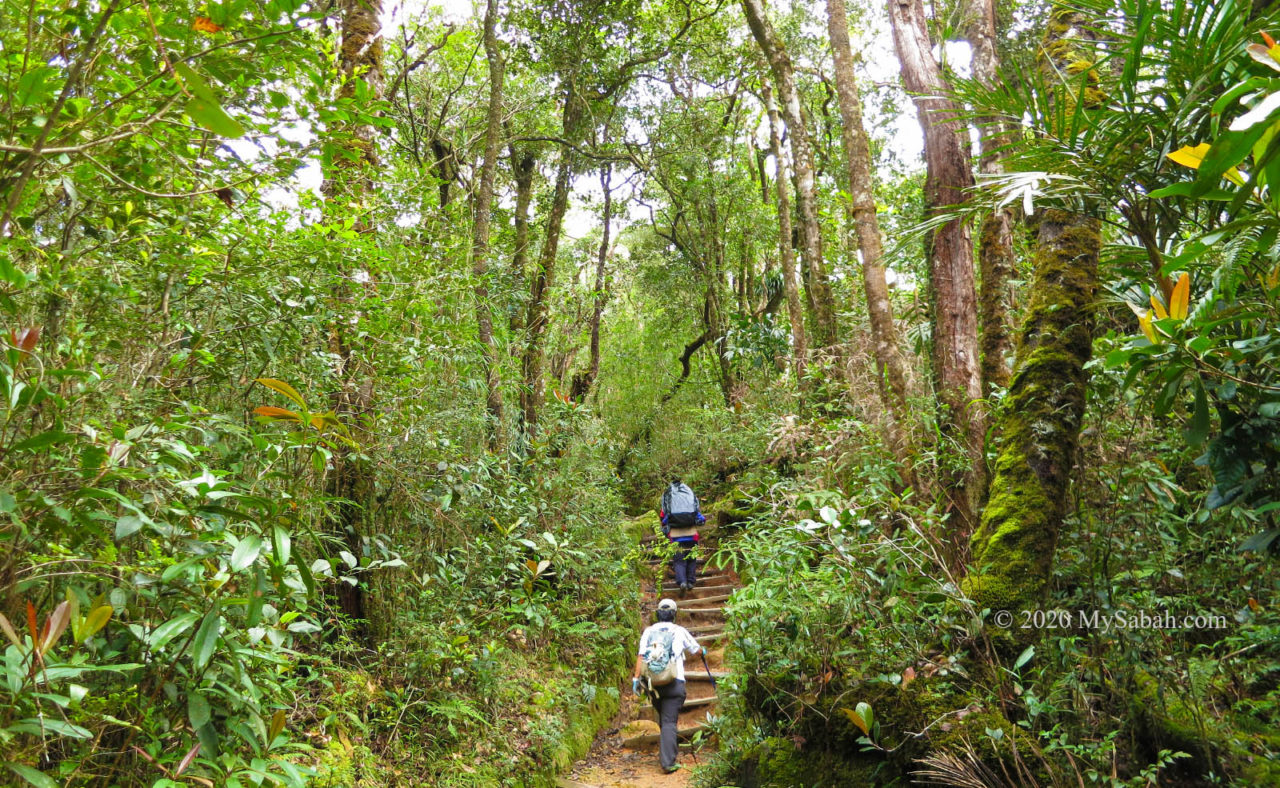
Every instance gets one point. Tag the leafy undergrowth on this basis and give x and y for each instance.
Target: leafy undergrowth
(858, 661)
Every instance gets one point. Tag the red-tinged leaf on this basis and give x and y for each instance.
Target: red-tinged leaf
(143, 753)
(1270, 41)
(187, 759)
(283, 388)
(32, 627)
(56, 625)
(272, 412)
(26, 339)
(9, 631)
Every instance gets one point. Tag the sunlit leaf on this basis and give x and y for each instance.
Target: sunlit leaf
(1190, 155)
(1148, 330)
(283, 388)
(1179, 302)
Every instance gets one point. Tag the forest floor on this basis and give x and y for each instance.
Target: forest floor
(625, 754)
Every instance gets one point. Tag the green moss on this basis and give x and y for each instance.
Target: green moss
(1014, 544)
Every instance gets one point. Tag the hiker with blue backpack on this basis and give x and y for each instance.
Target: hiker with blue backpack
(659, 673)
(681, 516)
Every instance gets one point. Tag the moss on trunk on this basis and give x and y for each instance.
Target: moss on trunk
(1014, 545)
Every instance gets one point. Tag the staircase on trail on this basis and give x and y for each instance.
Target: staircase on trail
(626, 754)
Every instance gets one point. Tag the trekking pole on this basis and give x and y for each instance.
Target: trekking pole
(707, 665)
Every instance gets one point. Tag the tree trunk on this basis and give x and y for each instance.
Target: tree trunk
(480, 230)
(861, 207)
(523, 165)
(799, 342)
(955, 310)
(995, 237)
(532, 362)
(348, 186)
(1013, 548)
(583, 382)
(825, 330)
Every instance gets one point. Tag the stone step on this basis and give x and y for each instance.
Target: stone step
(701, 675)
(722, 588)
(706, 629)
(646, 739)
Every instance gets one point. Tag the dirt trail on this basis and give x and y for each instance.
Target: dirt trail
(625, 755)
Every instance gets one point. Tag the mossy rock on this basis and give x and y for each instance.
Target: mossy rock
(735, 508)
(779, 763)
(646, 524)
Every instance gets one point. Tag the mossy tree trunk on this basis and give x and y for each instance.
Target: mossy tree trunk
(861, 207)
(524, 164)
(955, 311)
(480, 230)
(1014, 545)
(825, 333)
(349, 188)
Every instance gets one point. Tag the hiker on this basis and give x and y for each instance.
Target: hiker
(661, 664)
(681, 516)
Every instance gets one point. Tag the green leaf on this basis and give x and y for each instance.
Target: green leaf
(281, 545)
(214, 118)
(206, 640)
(170, 629)
(864, 710)
(198, 711)
(1024, 657)
(246, 552)
(283, 388)
(43, 440)
(1198, 429)
(33, 777)
(51, 725)
(127, 525)
(1226, 152)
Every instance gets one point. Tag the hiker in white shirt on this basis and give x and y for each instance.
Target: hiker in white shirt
(669, 697)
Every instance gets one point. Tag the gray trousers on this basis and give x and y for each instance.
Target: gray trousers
(667, 701)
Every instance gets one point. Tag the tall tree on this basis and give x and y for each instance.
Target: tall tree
(1013, 549)
(524, 165)
(995, 236)
(533, 359)
(861, 207)
(955, 311)
(775, 52)
(480, 227)
(786, 252)
(349, 188)
(583, 381)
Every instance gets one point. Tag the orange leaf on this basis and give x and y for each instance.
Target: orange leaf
(204, 24)
(1159, 307)
(272, 412)
(1270, 41)
(1180, 301)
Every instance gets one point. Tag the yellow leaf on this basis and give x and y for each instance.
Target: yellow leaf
(1234, 176)
(1145, 323)
(1181, 298)
(283, 388)
(272, 412)
(857, 720)
(1158, 307)
(1189, 156)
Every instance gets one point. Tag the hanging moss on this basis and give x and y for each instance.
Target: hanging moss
(1014, 545)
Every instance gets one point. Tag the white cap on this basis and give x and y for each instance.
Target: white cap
(667, 604)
